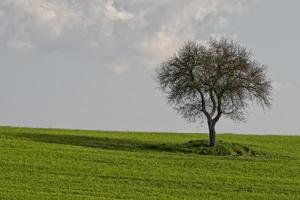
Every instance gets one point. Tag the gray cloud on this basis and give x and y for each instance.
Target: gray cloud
(61, 60)
(123, 33)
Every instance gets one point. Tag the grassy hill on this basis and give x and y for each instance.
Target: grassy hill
(71, 164)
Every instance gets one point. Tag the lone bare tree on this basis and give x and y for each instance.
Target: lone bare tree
(218, 78)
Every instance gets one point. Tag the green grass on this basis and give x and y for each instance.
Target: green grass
(70, 164)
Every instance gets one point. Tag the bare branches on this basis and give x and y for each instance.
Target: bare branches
(214, 80)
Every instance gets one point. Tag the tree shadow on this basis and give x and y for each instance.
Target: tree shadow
(194, 146)
(97, 142)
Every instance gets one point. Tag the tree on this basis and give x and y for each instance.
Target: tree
(214, 79)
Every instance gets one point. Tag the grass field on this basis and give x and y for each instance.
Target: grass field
(69, 164)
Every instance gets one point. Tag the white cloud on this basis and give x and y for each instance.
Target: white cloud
(20, 45)
(145, 31)
(120, 68)
(113, 14)
(160, 45)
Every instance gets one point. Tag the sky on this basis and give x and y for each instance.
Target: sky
(90, 64)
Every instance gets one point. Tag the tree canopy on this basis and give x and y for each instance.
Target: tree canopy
(214, 79)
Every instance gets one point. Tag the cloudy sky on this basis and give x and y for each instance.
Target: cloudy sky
(89, 64)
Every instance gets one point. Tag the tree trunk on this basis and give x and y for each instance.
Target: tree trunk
(212, 133)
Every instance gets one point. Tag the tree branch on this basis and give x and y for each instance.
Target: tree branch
(213, 102)
(219, 109)
(203, 103)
